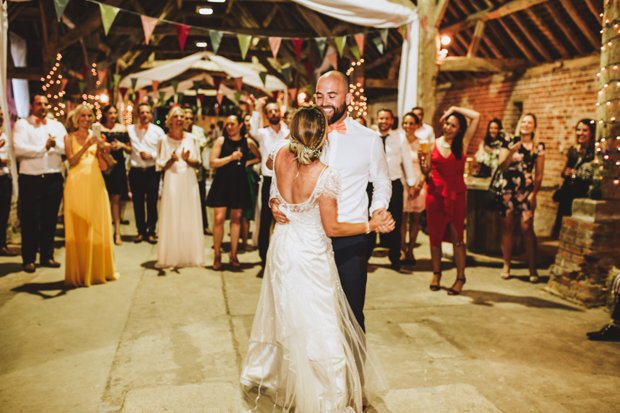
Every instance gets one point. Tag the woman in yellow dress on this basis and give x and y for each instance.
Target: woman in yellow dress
(88, 224)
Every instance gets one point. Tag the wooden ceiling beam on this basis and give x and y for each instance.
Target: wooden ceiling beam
(493, 47)
(381, 84)
(440, 11)
(548, 33)
(533, 40)
(503, 43)
(394, 66)
(522, 46)
(169, 30)
(567, 32)
(27, 73)
(594, 39)
(593, 5)
(387, 56)
(492, 13)
(478, 64)
(92, 23)
(475, 40)
(272, 14)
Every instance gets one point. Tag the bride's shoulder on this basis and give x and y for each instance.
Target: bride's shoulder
(330, 182)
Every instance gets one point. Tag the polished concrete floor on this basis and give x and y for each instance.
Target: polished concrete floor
(174, 341)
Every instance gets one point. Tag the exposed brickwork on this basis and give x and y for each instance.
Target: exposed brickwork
(558, 96)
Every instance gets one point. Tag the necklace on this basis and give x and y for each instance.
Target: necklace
(444, 144)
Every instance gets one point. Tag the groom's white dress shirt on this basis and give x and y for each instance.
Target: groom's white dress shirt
(29, 140)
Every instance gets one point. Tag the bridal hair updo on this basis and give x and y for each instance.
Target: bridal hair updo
(308, 134)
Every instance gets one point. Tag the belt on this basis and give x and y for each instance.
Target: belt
(51, 175)
(148, 168)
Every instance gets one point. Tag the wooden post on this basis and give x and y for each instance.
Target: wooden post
(427, 63)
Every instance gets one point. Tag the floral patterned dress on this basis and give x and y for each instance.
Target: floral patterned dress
(518, 182)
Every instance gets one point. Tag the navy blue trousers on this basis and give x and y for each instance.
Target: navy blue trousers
(350, 255)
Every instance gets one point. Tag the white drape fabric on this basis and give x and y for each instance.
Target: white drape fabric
(4, 31)
(250, 76)
(382, 14)
(162, 73)
(21, 93)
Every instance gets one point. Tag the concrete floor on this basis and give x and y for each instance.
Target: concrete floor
(175, 341)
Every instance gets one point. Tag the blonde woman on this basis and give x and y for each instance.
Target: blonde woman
(522, 161)
(181, 239)
(307, 352)
(88, 224)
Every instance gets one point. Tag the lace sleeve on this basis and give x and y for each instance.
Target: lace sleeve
(331, 184)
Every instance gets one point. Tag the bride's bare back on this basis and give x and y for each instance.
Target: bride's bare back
(296, 182)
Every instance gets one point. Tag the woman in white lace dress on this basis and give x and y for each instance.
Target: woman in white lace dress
(307, 353)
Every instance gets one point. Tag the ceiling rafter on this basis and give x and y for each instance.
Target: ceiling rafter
(548, 33)
(567, 32)
(594, 40)
(475, 40)
(531, 38)
(522, 46)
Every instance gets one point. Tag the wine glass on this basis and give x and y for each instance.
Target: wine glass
(239, 150)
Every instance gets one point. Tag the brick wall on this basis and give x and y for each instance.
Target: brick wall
(559, 94)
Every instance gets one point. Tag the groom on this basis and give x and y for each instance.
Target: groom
(357, 153)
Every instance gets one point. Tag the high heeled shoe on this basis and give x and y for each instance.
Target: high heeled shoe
(436, 287)
(217, 263)
(454, 291)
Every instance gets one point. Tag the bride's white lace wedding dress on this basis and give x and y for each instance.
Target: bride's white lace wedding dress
(307, 353)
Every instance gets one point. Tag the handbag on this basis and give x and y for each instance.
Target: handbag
(495, 187)
(103, 165)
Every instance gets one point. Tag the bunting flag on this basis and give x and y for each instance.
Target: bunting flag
(275, 95)
(286, 73)
(108, 14)
(384, 36)
(333, 59)
(60, 6)
(237, 97)
(292, 93)
(197, 84)
(263, 78)
(122, 91)
(340, 42)
(132, 97)
(321, 42)
(175, 84)
(134, 81)
(102, 75)
(244, 44)
(379, 44)
(182, 32)
(162, 97)
(84, 72)
(180, 97)
(200, 97)
(355, 51)
(309, 66)
(117, 79)
(63, 83)
(359, 39)
(155, 85)
(148, 25)
(141, 95)
(256, 95)
(217, 81)
(297, 43)
(217, 110)
(82, 86)
(239, 83)
(219, 98)
(216, 39)
(403, 31)
(274, 43)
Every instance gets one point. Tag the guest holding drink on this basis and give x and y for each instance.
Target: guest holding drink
(488, 150)
(230, 188)
(116, 182)
(446, 200)
(88, 237)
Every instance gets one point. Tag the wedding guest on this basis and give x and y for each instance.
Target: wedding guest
(116, 181)
(230, 188)
(201, 173)
(414, 196)
(360, 120)
(38, 143)
(425, 131)
(143, 177)
(446, 200)
(6, 188)
(248, 214)
(575, 186)
(398, 158)
(288, 117)
(488, 150)
(357, 154)
(266, 137)
(89, 257)
(611, 331)
(181, 242)
(522, 160)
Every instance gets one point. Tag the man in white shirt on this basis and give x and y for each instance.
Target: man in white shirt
(399, 160)
(39, 145)
(425, 131)
(357, 153)
(6, 188)
(266, 137)
(143, 178)
(199, 133)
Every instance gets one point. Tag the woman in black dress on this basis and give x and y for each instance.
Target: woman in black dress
(575, 187)
(116, 181)
(230, 188)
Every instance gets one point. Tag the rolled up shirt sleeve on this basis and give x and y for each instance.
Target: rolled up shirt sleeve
(22, 148)
(379, 177)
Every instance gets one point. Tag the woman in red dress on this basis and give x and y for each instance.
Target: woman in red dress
(445, 199)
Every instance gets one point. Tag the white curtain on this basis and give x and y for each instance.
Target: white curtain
(382, 14)
(250, 76)
(4, 29)
(162, 73)
(21, 93)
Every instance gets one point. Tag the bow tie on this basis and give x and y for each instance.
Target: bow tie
(340, 128)
(40, 121)
(145, 127)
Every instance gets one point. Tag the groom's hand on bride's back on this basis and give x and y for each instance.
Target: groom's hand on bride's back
(383, 219)
(277, 214)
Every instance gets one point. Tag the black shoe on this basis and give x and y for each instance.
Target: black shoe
(436, 287)
(395, 266)
(29, 267)
(138, 239)
(5, 252)
(50, 263)
(453, 291)
(610, 332)
(124, 222)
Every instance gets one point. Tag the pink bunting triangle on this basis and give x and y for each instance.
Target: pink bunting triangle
(292, 93)
(102, 74)
(333, 59)
(216, 83)
(297, 44)
(274, 43)
(309, 66)
(217, 110)
(63, 83)
(155, 85)
(219, 98)
(148, 25)
(238, 83)
(141, 95)
(359, 39)
(200, 97)
(182, 32)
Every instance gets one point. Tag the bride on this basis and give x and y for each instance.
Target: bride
(307, 353)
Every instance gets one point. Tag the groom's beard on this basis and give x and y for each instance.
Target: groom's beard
(338, 113)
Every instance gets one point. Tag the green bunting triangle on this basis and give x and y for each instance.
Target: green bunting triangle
(175, 85)
(82, 86)
(379, 44)
(244, 44)
(263, 78)
(197, 84)
(162, 97)
(237, 97)
(384, 36)
(320, 44)
(403, 31)
(117, 79)
(216, 39)
(340, 42)
(134, 82)
(356, 52)
(108, 14)
(286, 73)
(60, 6)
